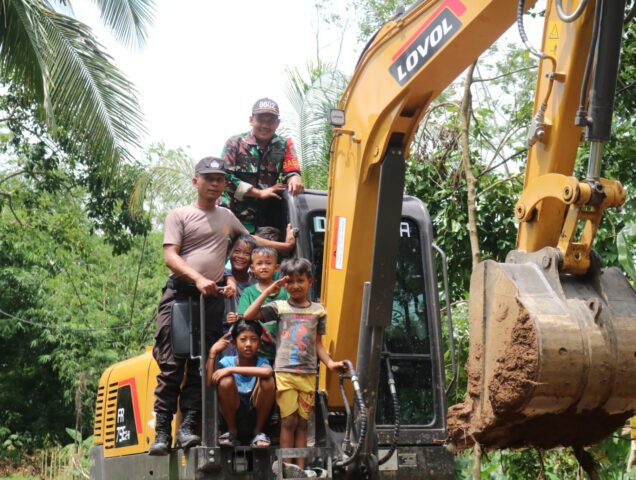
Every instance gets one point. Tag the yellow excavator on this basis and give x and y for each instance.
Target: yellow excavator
(552, 333)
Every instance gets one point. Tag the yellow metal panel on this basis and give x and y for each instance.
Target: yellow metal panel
(139, 374)
(382, 105)
(568, 44)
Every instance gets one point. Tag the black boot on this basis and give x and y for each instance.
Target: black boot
(186, 436)
(163, 434)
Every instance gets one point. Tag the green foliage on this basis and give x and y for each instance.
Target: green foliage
(70, 305)
(64, 166)
(165, 182)
(558, 464)
(67, 73)
(67, 309)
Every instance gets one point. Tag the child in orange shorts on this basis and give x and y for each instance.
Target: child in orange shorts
(301, 324)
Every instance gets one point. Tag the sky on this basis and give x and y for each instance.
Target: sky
(206, 62)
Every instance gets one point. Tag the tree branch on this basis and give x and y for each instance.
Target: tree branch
(503, 180)
(15, 215)
(14, 174)
(471, 182)
(503, 75)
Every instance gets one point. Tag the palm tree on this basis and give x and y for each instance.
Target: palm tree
(71, 77)
(312, 95)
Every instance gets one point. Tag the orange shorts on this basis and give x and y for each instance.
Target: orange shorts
(295, 392)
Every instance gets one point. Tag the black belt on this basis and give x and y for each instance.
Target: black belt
(182, 287)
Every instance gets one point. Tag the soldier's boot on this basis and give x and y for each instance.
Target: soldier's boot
(186, 436)
(163, 434)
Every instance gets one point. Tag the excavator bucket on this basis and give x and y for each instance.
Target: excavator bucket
(552, 358)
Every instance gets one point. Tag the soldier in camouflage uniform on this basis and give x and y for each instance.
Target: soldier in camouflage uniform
(260, 165)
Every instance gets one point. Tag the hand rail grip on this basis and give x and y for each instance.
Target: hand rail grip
(449, 319)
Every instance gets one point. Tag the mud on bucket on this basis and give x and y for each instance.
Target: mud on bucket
(551, 358)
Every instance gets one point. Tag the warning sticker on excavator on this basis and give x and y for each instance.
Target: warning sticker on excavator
(554, 32)
(338, 244)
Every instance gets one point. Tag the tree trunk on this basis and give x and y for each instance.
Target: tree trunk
(471, 182)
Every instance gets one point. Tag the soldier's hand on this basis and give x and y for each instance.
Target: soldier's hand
(207, 287)
(272, 192)
(295, 185)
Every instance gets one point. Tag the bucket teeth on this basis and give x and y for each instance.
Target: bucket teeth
(551, 358)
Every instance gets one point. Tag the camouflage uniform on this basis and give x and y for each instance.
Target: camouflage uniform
(247, 164)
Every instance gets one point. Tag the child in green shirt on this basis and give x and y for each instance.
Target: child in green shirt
(264, 266)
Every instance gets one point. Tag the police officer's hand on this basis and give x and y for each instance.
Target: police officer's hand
(232, 317)
(207, 287)
(272, 192)
(295, 185)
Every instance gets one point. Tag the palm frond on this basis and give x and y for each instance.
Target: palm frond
(164, 184)
(87, 94)
(312, 99)
(127, 19)
(19, 55)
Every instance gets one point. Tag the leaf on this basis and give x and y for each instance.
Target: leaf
(626, 245)
(74, 434)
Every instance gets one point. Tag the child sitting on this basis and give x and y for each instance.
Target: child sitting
(264, 266)
(301, 324)
(246, 388)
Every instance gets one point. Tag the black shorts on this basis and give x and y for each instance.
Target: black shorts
(246, 418)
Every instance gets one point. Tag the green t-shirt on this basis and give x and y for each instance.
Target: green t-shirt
(270, 329)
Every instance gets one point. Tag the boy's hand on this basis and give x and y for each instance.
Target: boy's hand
(333, 365)
(220, 345)
(219, 374)
(275, 287)
(290, 237)
(232, 317)
(229, 291)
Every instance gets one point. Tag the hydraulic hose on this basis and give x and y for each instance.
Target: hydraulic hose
(540, 115)
(568, 18)
(396, 412)
(581, 114)
(362, 412)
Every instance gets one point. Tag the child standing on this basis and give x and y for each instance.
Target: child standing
(240, 260)
(246, 387)
(264, 266)
(301, 324)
